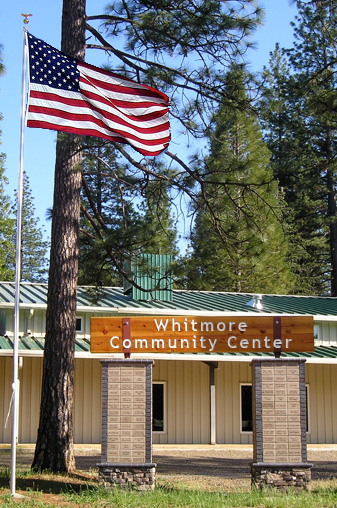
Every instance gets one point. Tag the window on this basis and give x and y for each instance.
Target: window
(158, 407)
(246, 408)
(2, 322)
(79, 324)
(246, 419)
(308, 406)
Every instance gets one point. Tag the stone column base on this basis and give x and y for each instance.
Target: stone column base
(281, 476)
(127, 476)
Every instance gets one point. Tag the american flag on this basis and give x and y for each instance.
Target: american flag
(72, 96)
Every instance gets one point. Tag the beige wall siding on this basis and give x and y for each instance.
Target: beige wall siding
(35, 322)
(30, 394)
(87, 401)
(327, 333)
(187, 401)
(6, 379)
(322, 383)
(228, 379)
(29, 398)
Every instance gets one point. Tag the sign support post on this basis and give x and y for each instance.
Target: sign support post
(126, 458)
(279, 424)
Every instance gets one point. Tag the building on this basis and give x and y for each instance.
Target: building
(197, 398)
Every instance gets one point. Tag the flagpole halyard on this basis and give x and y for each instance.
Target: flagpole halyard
(15, 385)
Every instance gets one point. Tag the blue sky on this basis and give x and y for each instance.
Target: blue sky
(39, 153)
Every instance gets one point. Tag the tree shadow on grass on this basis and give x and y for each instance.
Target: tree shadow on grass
(49, 482)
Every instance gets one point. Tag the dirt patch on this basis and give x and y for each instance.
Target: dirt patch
(210, 470)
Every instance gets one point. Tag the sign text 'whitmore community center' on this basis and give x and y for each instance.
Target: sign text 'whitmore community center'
(190, 334)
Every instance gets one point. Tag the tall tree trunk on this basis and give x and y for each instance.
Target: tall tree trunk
(54, 447)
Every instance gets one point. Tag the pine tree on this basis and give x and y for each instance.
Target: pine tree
(7, 249)
(123, 214)
(34, 265)
(7, 224)
(158, 233)
(309, 166)
(108, 218)
(246, 250)
(294, 163)
(314, 60)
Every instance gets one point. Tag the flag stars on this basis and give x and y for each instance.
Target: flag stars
(50, 67)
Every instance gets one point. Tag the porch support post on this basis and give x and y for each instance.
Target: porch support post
(212, 367)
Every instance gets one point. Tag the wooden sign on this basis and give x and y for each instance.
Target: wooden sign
(192, 334)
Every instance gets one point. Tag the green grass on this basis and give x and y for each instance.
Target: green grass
(166, 496)
(50, 490)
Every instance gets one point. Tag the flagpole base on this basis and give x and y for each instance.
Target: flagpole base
(18, 496)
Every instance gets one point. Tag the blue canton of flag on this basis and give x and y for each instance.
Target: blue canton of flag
(50, 67)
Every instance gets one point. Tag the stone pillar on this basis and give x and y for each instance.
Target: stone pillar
(126, 458)
(279, 424)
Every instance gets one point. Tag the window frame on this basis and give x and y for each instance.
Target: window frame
(318, 334)
(245, 432)
(79, 319)
(308, 430)
(164, 431)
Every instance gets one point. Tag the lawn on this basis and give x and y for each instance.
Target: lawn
(82, 490)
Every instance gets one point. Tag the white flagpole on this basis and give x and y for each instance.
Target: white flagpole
(15, 385)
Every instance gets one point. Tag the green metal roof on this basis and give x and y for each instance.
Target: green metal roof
(110, 298)
(29, 343)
